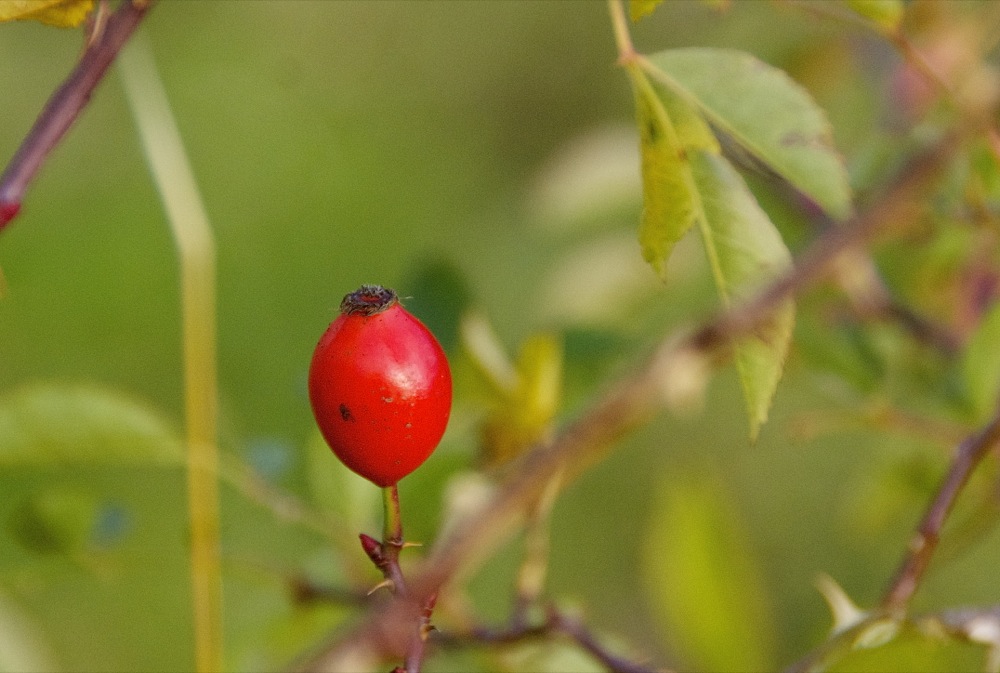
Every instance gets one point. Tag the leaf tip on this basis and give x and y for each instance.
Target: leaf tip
(638, 9)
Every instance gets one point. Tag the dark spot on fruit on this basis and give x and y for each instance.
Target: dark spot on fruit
(652, 131)
(345, 413)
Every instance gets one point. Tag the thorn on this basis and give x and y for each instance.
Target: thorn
(844, 611)
(382, 585)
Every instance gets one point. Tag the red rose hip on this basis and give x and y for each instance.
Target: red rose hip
(380, 387)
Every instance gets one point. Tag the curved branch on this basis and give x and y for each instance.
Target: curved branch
(924, 542)
(66, 104)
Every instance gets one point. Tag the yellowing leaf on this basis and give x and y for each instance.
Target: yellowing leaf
(668, 201)
(693, 133)
(525, 415)
(886, 14)
(59, 13)
(640, 8)
(745, 251)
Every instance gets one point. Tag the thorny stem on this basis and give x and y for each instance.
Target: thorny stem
(392, 539)
(925, 540)
(66, 104)
(392, 531)
(385, 556)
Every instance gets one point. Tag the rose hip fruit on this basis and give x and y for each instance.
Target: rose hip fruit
(380, 387)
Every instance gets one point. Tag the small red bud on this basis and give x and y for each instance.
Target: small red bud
(8, 211)
(373, 548)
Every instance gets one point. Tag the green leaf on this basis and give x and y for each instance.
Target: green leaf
(765, 112)
(704, 580)
(59, 13)
(668, 199)
(745, 251)
(51, 425)
(981, 366)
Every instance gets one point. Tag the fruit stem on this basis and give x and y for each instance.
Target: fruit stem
(392, 533)
(392, 539)
(386, 557)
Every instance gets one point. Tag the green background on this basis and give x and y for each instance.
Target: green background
(412, 144)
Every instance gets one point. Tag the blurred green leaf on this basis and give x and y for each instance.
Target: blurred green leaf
(552, 656)
(668, 199)
(981, 366)
(286, 636)
(886, 14)
(59, 13)
(437, 293)
(339, 492)
(763, 110)
(704, 580)
(984, 173)
(49, 425)
(745, 251)
(55, 521)
(842, 350)
(22, 647)
(913, 652)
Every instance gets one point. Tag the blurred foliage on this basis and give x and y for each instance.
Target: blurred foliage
(482, 159)
(61, 13)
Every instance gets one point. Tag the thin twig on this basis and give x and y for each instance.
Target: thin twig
(66, 104)
(924, 542)
(555, 622)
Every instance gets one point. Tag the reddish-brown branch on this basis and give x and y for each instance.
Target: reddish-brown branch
(925, 540)
(554, 623)
(66, 105)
